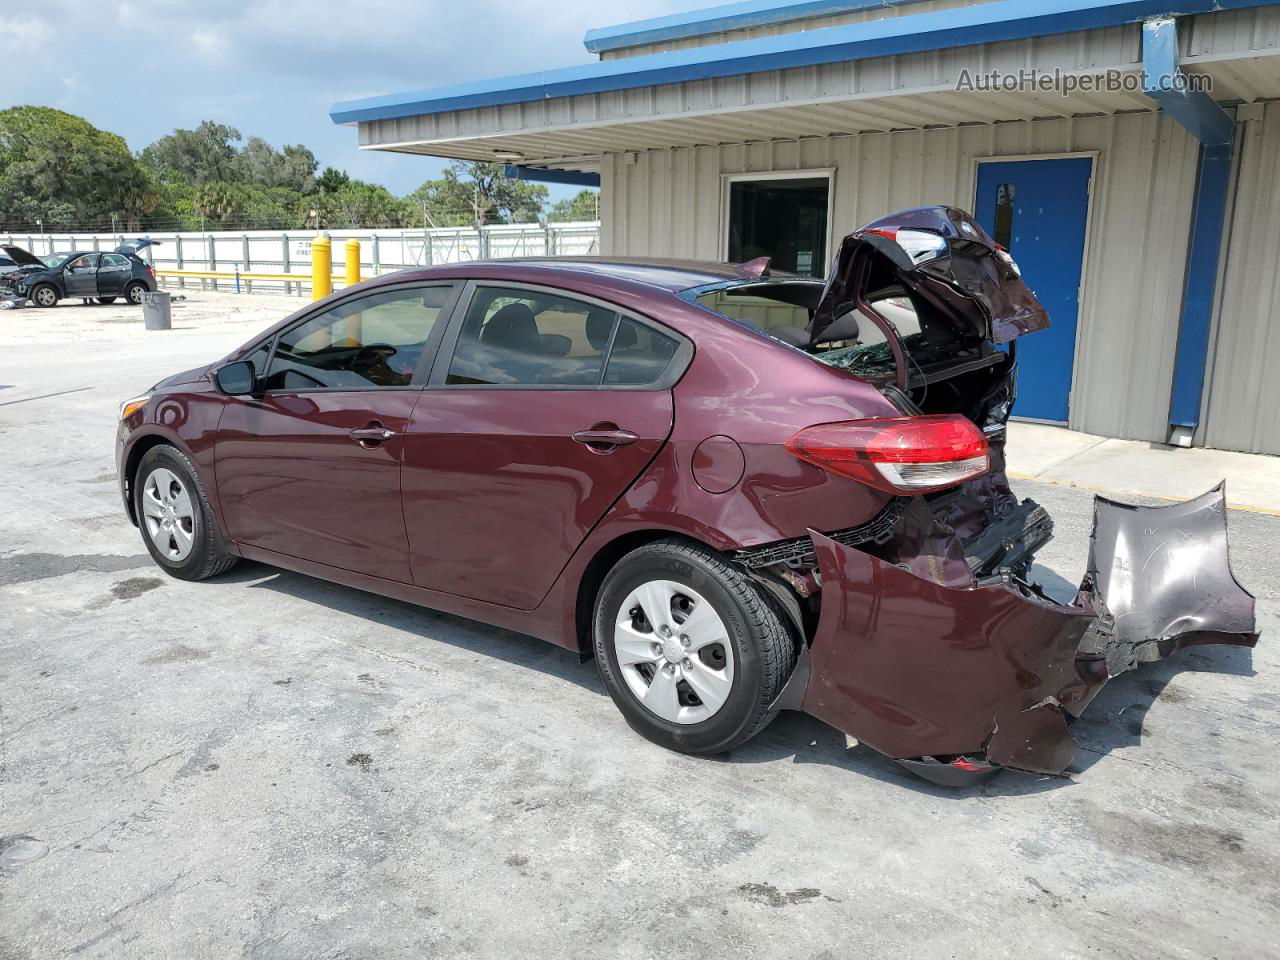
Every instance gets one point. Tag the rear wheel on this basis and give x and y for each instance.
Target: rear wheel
(691, 649)
(134, 292)
(175, 517)
(106, 300)
(45, 295)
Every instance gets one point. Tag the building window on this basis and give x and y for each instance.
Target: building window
(784, 219)
(1004, 215)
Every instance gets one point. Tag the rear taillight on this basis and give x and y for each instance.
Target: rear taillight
(151, 270)
(898, 454)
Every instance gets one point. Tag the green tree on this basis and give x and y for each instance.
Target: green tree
(218, 203)
(293, 168)
(206, 154)
(356, 204)
(332, 180)
(59, 168)
(584, 205)
(477, 193)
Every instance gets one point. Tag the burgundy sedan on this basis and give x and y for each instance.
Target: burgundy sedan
(740, 491)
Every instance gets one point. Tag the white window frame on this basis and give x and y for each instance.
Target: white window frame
(814, 173)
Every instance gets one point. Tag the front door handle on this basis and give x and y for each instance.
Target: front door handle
(600, 436)
(371, 435)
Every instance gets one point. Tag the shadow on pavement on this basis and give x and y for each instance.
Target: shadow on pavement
(432, 625)
(1113, 720)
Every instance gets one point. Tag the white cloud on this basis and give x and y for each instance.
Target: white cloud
(272, 68)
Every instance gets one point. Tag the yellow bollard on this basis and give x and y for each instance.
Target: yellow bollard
(321, 267)
(353, 262)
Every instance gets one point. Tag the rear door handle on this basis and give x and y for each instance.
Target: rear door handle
(371, 435)
(606, 438)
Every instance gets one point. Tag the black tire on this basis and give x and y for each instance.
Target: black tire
(105, 300)
(134, 291)
(764, 648)
(44, 295)
(209, 556)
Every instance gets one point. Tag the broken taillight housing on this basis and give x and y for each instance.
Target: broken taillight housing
(920, 245)
(897, 454)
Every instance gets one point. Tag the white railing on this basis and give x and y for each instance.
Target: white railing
(289, 251)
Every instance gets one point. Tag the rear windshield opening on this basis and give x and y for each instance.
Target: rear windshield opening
(854, 342)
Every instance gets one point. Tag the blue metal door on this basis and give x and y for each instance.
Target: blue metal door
(1037, 209)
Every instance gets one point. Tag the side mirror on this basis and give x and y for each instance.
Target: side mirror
(236, 379)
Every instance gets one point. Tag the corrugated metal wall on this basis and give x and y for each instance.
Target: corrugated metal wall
(1242, 397)
(668, 203)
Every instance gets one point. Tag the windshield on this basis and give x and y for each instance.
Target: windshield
(54, 259)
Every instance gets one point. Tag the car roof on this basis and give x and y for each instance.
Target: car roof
(671, 275)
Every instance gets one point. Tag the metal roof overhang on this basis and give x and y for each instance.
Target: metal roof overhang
(729, 16)
(884, 75)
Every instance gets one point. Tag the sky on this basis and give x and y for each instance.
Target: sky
(273, 68)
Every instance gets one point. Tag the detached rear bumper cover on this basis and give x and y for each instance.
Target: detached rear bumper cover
(916, 669)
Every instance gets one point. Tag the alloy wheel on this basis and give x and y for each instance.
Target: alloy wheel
(674, 652)
(46, 297)
(169, 514)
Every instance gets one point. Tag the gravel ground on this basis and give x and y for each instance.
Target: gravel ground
(268, 766)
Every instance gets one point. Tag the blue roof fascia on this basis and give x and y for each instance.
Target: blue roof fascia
(729, 16)
(944, 29)
(574, 178)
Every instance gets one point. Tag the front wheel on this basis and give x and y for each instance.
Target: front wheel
(134, 292)
(175, 517)
(692, 651)
(45, 295)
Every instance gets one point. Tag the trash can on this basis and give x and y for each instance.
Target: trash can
(155, 310)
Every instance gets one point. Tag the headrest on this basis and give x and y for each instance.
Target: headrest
(513, 328)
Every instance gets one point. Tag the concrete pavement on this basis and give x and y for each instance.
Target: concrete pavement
(268, 766)
(1130, 467)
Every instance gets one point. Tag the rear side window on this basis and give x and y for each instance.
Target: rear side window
(373, 341)
(514, 337)
(639, 355)
(114, 261)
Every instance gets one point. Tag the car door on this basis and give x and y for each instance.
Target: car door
(542, 410)
(80, 275)
(113, 273)
(310, 466)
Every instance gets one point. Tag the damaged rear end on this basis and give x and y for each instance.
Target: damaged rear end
(930, 640)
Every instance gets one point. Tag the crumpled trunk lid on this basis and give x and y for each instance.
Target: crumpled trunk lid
(951, 268)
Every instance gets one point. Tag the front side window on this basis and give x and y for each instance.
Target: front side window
(517, 337)
(88, 262)
(372, 341)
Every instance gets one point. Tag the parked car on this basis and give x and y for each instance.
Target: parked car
(86, 274)
(740, 491)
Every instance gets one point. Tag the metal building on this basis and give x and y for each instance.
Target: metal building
(1125, 151)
